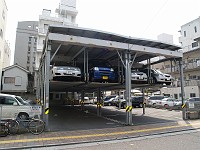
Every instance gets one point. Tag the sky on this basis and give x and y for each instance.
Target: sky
(136, 18)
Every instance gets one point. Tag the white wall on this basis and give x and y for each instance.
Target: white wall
(190, 34)
(16, 73)
(177, 90)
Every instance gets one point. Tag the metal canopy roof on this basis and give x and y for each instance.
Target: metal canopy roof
(66, 50)
(96, 34)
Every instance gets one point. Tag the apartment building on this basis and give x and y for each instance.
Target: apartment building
(26, 45)
(190, 41)
(7, 55)
(30, 35)
(3, 19)
(64, 15)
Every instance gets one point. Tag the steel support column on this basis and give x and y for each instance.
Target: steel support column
(86, 75)
(99, 102)
(144, 102)
(42, 89)
(46, 85)
(182, 89)
(82, 99)
(128, 88)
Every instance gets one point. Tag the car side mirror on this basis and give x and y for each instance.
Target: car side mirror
(15, 104)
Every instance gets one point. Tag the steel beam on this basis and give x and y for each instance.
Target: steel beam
(112, 45)
(56, 52)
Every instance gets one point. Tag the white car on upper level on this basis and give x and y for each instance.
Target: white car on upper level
(158, 76)
(138, 76)
(65, 73)
(168, 78)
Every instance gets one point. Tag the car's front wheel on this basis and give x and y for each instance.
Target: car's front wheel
(23, 116)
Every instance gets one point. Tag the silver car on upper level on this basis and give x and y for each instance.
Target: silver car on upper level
(65, 73)
(137, 76)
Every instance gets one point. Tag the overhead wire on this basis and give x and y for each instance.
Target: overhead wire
(156, 14)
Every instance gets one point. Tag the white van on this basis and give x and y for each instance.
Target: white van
(12, 106)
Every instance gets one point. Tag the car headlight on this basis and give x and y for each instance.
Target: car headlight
(96, 68)
(77, 69)
(111, 69)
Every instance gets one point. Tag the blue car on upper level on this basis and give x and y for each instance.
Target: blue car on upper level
(101, 71)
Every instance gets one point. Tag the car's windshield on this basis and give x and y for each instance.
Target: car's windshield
(21, 100)
(109, 97)
(99, 63)
(158, 71)
(156, 97)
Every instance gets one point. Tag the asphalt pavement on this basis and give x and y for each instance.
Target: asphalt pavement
(70, 126)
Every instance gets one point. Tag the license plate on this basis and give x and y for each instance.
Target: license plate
(69, 72)
(105, 77)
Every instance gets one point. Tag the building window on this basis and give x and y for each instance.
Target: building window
(9, 80)
(1, 33)
(190, 77)
(167, 66)
(192, 94)
(195, 44)
(195, 29)
(184, 33)
(46, 26)
(27, 68)
(176, 96)
(180, 95)
(194, 77)
(29, 48)
(3, 15)
(35, 39)
(30, 39)
(190, 61)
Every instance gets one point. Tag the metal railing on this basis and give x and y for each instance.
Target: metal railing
(189, 83)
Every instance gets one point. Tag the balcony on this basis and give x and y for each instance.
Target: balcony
(187, 83)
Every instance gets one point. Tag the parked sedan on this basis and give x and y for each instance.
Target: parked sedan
(138, 77)
(157, 76)
(110, 100)
(168, 78)
(65, 73)
(137, 101)
(166, 103)
(152, 100)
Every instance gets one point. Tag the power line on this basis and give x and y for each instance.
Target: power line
(151, 21)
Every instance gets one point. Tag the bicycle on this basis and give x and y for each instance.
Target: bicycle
(4, 131)
(35, 126)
